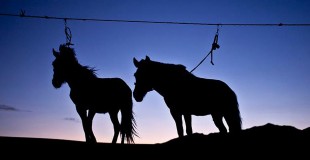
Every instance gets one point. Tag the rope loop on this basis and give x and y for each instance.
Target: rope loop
(68, 34)
(215, 46)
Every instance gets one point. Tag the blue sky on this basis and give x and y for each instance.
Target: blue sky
(267, 66)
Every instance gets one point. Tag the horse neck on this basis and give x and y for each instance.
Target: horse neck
(166, 83)
(78, 77)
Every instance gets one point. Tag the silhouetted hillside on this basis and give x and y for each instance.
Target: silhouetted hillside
(268, 139)
(268, 133)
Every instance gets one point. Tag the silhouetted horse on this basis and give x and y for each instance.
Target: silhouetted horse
(186, 94)
(93, 95)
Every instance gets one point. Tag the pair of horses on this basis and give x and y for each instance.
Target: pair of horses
(184, 94)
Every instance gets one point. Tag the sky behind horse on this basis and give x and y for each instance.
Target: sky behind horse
(267, 66)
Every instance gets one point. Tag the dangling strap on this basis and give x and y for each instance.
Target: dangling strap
(215, 46)
(68, 34)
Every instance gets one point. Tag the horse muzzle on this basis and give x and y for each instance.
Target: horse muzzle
(56, 84)
(137, 97)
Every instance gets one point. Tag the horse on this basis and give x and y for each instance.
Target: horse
(186, 94)
(92, 95)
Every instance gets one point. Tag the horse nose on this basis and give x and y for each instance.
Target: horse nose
(137, 97)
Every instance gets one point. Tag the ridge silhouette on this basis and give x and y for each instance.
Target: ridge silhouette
(266, 141)
(92, 95)
(186, 95)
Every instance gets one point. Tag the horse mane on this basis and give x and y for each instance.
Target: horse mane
(88, 71)
(69, 55)
(173, 70)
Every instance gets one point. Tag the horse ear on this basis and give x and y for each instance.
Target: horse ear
(135, 61)
(56, 54)
(147, 58)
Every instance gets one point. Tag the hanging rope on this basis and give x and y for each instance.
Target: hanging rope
(215, 46)
(68, 34)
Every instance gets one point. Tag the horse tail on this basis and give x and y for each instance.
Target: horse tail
(233, 116)
(128, 122)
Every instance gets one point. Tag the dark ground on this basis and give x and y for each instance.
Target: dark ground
(264, 141)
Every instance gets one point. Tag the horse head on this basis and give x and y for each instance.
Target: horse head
(63, 59)
(143, 78)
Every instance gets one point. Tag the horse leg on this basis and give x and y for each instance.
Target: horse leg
(178, 121)
(89, 136)
(188, 123)
(116, 126)
(90, 117)
(218, 121)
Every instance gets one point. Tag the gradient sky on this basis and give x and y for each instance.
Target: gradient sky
(267, 66)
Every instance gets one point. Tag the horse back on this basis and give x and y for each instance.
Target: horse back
(115, 89)
(102, 94)
(200, 96)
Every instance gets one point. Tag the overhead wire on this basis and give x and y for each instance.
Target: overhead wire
(23, 15)
(215, 45)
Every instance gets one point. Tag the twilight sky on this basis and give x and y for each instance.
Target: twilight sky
(267, 66)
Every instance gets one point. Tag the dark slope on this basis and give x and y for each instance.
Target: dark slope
(269, 139)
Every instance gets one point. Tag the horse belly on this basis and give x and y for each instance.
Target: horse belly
(199, 109)
(105, 103)
(197, 105)
(190, 107)
(98, 102)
